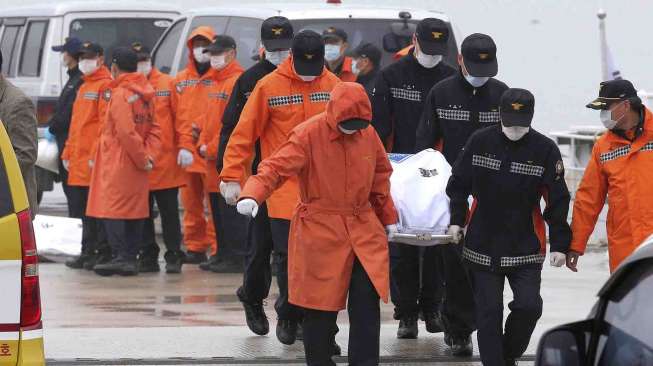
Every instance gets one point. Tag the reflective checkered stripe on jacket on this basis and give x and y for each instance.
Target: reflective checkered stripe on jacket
(527, 169)
(162, 93)
(407, 94)
(615, 154)
(485, 162)
(489, 117)
(183, 84)
(453, 114)
(319, 97)
(485, 260)
(648, 146)
(91, 96)
(220, 95)
(285, 100)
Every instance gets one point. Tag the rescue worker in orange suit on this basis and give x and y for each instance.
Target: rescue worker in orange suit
(87, 118)
(298, 89)
(276, 36)
(335, 46)
(190, 100)
(226, 71)
(619, 168)
(508, 169)
(398, 102)
(338, 251)
(129, 144)
(166, 177)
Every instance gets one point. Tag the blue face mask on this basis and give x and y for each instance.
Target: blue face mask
(331, 52)
(476, 81)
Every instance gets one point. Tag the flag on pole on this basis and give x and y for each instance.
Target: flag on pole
(608, 68)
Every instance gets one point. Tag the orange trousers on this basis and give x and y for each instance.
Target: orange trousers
(199, 232)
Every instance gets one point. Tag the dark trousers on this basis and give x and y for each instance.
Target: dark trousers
(496, 344)
(168, 203)
(94, 238)
(364, 325)
(458, 304)
(230, 229)
(124, 237)
(415, 284)
(257, 276)
(63, 174)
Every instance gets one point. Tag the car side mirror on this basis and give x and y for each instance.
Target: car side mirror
(562, 346)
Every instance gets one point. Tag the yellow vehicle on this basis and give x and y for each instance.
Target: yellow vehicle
(21, 331)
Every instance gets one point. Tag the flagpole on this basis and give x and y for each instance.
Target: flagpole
(608, 68)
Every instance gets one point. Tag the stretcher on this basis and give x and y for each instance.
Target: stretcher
(418, 189)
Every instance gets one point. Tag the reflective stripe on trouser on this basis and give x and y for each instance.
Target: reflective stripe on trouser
(199, 232)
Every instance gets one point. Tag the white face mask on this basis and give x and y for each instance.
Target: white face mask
(200, 56)
(88, 67)
(346, 131)
(144, 67)
(476, 81)
(428, 61)
(307, 78)
(606, 119)
(218, 62)
(515, 133)
(354, 68)
(331, 52)
(277, 57)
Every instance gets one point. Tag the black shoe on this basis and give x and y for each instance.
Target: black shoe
(286, 331)
(148, 265)
(461, 346)
(174, 266)
(226, 266)
(206, 265)
(109, 269)
(257, 321)
(433, 322)
(129, 269)
(77, 262)
(407, 328)
(336, 349)
(90, 262)
(195, 257)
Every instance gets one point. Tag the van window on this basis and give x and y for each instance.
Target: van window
(6, 202)
(367, 30)
(32, 53)
(247, 33)
(112, 33)
(219, 24)
(165, 53)
(8, 45)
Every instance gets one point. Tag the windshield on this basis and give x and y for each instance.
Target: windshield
(111, 33)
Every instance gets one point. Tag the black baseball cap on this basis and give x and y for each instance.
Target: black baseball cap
(334, 33)
(368, 51)
(432, 35)
(90, 49)
(142, 52)
(220, 44)
(517, 107)
(480, 55)
(308, 53)
(354, 124)
(71, 46)
(613, 91)
(125, 58)
(276, 33)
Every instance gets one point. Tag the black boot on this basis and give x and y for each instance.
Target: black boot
(207, 264)
(257, 321)
(226, 266)
(433, 322)
(286, 331)
(129, 268)
(90, 262)
(148, 265)
(117, 267)
(407, 328)
(461, 346)
(195, 257)
(77, 262)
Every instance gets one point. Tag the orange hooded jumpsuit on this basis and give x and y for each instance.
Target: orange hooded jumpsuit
(190, 100)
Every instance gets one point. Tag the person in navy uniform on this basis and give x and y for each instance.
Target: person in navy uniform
(508, 169)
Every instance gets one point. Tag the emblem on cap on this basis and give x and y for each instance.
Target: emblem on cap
(517, 106)
(597, 103)
(483, 56)
(137, 46)
(308, 56)
(277, 31)
(436, 35)
(87, 45)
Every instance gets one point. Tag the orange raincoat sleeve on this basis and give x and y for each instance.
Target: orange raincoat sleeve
(286, 162)
(184, 130)
(122, 115)
(380, 194)
(590, 198)
(102, 107)
(240, 148)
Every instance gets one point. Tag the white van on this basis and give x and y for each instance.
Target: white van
(389, 28)
(27, 35)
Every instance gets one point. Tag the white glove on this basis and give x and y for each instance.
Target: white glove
(91, 164)
(558, 259)
(247, 207)
(391, 229)
(456, 233)
(184, 158)
(230, 191)
(149, 166)
(65, 164)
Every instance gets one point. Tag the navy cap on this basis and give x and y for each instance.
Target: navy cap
(368, 51)
(91, 49)
(480, 55)
(432, 36)
(517, 107)
(613, 91)
(142, 52)
(308, 53)
(276, 33)
(125, 58)
(220, 44)
(71, 46)
(334, 33)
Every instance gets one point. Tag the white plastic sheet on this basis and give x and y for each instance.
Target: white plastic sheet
(57, 236)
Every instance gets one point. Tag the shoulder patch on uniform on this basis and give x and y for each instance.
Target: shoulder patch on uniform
(107, 95)
(560, 167)
(179, 87)
(133, 98)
